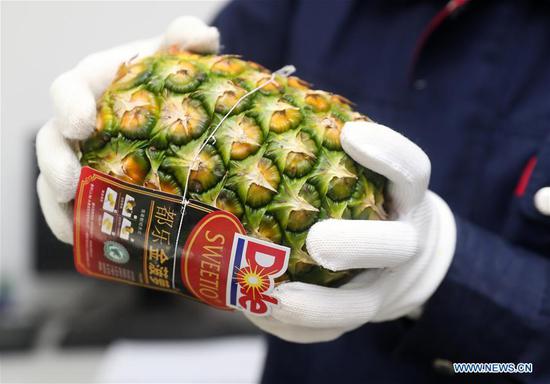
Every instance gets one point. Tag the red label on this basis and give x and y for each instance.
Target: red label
(205, 266)
(134, 235)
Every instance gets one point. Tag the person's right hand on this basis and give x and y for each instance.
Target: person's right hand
(74, 95)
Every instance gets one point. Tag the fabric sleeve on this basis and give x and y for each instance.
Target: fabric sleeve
(494, 294)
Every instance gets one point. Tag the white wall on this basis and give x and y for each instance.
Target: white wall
(39, 40)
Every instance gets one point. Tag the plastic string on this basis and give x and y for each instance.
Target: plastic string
(285, 71)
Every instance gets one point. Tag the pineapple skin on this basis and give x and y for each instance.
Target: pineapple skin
(276, 163)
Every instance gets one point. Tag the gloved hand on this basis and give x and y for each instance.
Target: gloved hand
(405, 258)
(74, 96)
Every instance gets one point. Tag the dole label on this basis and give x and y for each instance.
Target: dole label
(255, 264)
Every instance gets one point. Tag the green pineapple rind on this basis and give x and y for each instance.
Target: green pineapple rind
(293, 162)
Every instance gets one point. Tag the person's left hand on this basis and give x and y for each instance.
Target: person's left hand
(405, 258)
(74, 95)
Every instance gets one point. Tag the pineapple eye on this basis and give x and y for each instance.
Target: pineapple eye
(335, 209)
(162, 181)
(332, 127)
(168, 185)
(135, 167)
(241, 149)
(229, 97)
(258, 67)
(335, 175)
(343, 180)
(220, 95)
(301, 220)
(298, 164)
(255, 180)
(131, 75)
(367, 202)
(341, 188)
(228, 201)
(265, 180)
(228, 66)
(303, 217)
(275, 114)
(269, 88)
(285, 118)
(238, 137)
(296, 206)
(181, 120)
(248, 141)
(136, 112)
(175, 74)
(267, 229)
(342, 102)
(206, 170)
(184, 77)
(317, 101)
(295, 152)
(297, 83)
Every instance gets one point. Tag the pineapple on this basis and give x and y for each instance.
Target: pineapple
(276, 162)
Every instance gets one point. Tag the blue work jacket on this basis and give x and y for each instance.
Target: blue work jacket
(469, 82)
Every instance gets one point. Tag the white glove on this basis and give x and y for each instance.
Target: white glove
(74, 95)
(406, 258)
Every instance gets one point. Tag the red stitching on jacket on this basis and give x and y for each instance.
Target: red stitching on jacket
(525, 176)
(451, 7)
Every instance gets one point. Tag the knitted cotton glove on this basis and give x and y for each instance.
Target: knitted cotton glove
(405, 258)
(74, 95)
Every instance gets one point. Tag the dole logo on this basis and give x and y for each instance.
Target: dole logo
(255, 264)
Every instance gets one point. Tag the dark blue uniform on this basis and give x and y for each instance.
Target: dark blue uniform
(470, 84)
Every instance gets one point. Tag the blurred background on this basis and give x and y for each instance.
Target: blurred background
(57, 326)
